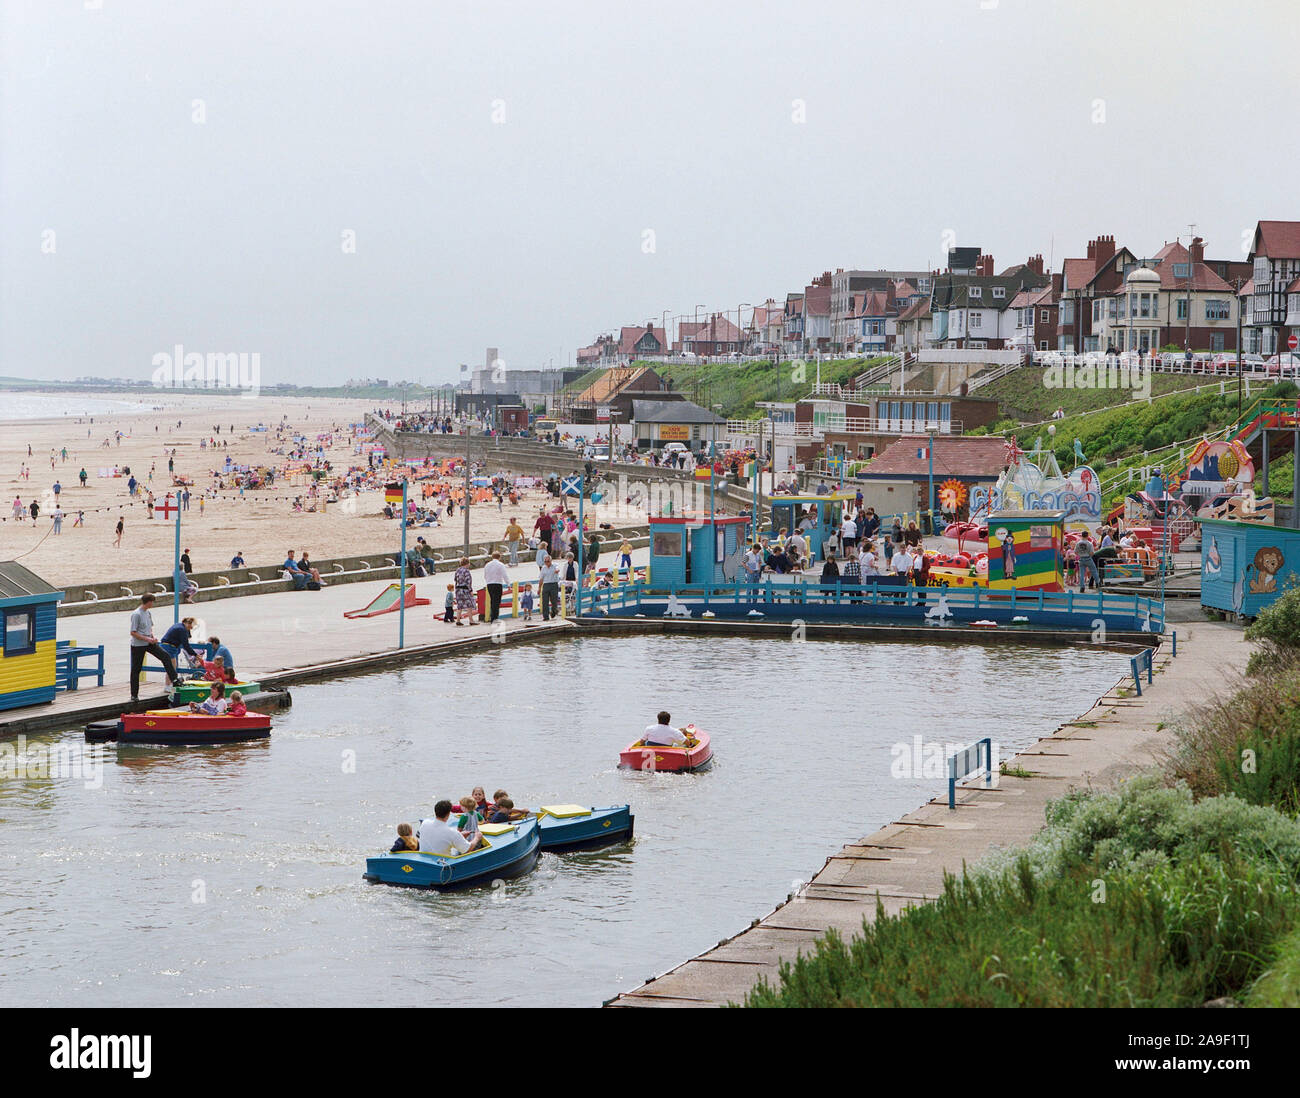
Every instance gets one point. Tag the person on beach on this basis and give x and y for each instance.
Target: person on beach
(81, 519)
(117, 541)
(35, 509)
(58, 519)
(526, 601)
(514, 535)
(83, 476)
(143, 643)
(463, 581)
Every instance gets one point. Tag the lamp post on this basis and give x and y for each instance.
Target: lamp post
(740, 328)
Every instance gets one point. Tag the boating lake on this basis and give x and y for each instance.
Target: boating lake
(231, 876)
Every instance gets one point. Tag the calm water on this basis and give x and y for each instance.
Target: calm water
(29, 405)
(232, 876)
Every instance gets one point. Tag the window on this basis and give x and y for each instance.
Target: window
(20, 632)
(1145, 304)
(1216, 310)
(977, 292)
(1042, 345)
(1114, 308)
(1067, 313)
(932, 411)
(1216, 341)
(999, 292)
(1182, 270)
(976, 319)
(1096, 311)
(1044, 317)
(1182, 308)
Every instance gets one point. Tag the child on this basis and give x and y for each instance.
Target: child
(405, 840)
(503, 807)
(481, 802)
(526, 601)
(237, 706)
(625, 556)
(467, 825)
(81, 518)
(214, 704)
(449, 606)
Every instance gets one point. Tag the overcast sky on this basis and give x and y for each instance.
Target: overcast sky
(186, 172)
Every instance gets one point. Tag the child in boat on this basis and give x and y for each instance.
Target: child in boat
(237, 706)
(504, 807)
(467, 825)
(481, 802)
(215, 670)
(526, 601)
(405, 840)
(214, 704)
(449, 606)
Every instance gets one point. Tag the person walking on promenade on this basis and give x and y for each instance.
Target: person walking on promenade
(550, 583)
(464, 583)
(514, 535)
(495, 578)
(143, 642)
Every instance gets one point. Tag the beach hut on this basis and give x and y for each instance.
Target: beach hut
(29, 607)
(1245, 566)
(692, 548)
(1026, 550)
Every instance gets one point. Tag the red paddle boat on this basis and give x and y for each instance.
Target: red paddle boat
(184, 728)
(678, 760)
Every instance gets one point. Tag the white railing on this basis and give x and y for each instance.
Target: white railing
(855, 425)
(980, 380)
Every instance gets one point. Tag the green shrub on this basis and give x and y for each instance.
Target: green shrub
(1277, 631)
(1162, 935)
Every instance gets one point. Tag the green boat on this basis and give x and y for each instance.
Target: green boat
(195, 690)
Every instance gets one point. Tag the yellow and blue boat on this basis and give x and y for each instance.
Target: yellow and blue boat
(511, 851)
(572, 827)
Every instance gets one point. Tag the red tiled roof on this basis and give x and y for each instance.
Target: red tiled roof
(629, 337)
(1278, 239)
(1203, 278)
(1294, 288)
(1247, 287)
(1079, 272)
(817, 300)
(954, 455)
(916, 309)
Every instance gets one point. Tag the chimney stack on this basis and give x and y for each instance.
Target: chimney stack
(1035, 264)
(1105, 249)
(1197, 250)
(984, 266)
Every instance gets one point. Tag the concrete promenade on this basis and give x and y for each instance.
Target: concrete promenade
(903, 863)
(285, 637)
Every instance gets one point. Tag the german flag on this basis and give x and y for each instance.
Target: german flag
(393, 492)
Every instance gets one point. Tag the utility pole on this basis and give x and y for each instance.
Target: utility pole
(1187, 336)
(1237, 300)
(465, 502)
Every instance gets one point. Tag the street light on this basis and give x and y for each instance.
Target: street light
(740, 328)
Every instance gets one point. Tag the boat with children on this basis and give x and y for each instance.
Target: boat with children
(508, 850)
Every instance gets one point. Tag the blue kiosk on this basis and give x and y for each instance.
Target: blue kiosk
(820, 516)
(1245, 566)
(692, 548)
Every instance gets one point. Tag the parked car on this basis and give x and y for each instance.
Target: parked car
(676, 448)
(1284, 365)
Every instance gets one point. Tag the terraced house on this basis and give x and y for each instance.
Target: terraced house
(973, 312)
(1274, 310)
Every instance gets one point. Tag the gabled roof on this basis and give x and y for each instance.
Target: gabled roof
(1033, 298)
(629, 337)
(1202, 277)
(1078, 272)
(916, 311)
(17, 581)
(954, 455)
(817, 300)
(1294, 288)
(717, 329)
(1247, 287)
(1277, 239)
(672, 411)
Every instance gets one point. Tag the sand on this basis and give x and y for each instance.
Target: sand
(262, 525)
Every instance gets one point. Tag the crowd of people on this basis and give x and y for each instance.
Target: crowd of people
(215, 665)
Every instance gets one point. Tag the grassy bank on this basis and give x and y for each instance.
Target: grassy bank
(1179, 888)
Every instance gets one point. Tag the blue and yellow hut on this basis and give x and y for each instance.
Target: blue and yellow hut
(29, 607)
(818, 515)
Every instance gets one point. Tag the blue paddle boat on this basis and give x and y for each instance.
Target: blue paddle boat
(512, 851)
(573, 827)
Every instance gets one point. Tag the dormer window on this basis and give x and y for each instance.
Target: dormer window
(977, 292)
(999, 291)
(1182, 270)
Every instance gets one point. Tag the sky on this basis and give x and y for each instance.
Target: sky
(388, 188)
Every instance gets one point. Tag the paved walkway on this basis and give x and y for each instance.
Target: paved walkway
(903, 863)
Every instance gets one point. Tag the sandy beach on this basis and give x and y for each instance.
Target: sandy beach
(261, 525)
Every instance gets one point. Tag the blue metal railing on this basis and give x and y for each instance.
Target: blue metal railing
(967, 761)
(1139, 663)
(1100, 604)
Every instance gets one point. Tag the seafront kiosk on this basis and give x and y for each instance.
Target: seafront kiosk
(29, 608)
(827, 513)
(1026, 551)
(692, 548)
(1246, 565)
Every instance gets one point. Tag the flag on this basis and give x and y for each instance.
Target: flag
(571, 486)
(703, 472)
(923, 452)
(392, 493)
